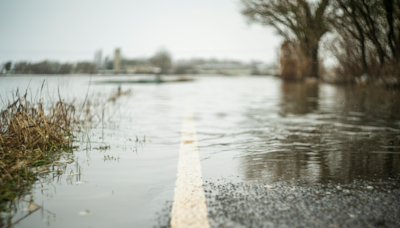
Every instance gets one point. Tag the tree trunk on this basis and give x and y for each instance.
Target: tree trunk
(314, 63)
(310, 63)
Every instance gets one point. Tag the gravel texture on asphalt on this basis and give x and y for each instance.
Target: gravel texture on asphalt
(251, 204)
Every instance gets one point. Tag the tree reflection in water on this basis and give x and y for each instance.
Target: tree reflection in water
(298, 98)
(326, 133)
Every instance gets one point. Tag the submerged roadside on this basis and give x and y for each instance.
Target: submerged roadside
(31, 138)
(37, 142)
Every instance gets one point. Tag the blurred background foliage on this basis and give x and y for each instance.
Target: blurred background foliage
(363, 37)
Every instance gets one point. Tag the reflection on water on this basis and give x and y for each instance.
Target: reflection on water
(64, 170)
(327, 133)
(298, 98)
(114, 179)
(247, 127)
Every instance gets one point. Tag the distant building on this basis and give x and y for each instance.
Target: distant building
(105, 64)
(141, 69)
(225, 68)
(98, 60)
(137, 66)
(117, 61)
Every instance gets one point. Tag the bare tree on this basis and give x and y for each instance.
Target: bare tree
(7, 66)
(162, 59)
(22, 67)
(85, 67)
(374, 26)
(299, 21)
(65, 68)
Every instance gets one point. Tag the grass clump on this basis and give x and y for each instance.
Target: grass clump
(31, 136)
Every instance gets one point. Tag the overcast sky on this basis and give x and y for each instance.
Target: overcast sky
(72, 30)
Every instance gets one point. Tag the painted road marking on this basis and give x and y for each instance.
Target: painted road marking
(189, 208)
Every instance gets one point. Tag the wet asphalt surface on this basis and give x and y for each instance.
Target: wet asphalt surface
(291, 204)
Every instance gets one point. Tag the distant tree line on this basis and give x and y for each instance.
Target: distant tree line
(365, 36)
(50, 67)
(163, 63)
(160, 63)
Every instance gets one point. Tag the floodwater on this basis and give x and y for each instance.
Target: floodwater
(248, 128)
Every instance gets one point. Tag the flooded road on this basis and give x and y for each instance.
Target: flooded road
(249, 130)
(279, 131)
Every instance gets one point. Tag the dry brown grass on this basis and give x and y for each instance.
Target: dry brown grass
(33, 135)
(29, 137)
(351, 70)
(290, 62)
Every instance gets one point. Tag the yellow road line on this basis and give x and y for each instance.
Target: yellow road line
(189, 208)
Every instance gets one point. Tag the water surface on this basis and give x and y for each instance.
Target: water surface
(248, 128)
